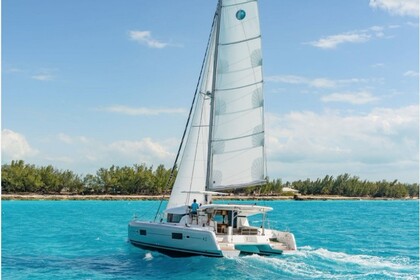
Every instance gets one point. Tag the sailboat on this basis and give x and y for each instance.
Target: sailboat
(224, 150)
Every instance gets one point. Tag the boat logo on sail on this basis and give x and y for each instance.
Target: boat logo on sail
(240, 15)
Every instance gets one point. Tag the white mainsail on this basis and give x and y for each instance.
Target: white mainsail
(237, 140)
(229, 106)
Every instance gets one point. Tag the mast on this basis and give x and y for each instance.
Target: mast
(213, 89)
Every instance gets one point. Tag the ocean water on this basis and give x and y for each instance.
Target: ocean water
(88, 240)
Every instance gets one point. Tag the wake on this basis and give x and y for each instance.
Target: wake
(394, 263)
(307, 262)
(148, 256)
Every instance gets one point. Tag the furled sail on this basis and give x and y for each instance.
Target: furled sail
(237, 133)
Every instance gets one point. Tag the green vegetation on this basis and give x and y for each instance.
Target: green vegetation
(344, 185)
(19, 177)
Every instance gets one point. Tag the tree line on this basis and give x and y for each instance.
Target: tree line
(19, 177)
(346, 185)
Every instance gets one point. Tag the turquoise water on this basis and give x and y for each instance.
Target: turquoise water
(88, 240)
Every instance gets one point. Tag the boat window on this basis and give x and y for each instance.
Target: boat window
(218, 218)
(176, 235)
(174, 218)
(143, 232)
(221, 217)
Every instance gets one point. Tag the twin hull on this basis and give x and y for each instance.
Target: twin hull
(175, 239)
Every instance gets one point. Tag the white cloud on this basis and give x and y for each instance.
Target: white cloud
(142, 111)
(413, 24)
(145, 37)
(381, 144)
(322, 83)
(145, 150)
(14, 146)
(13, 70)
(331, 42)
(61, 159)
(315, 82)
(358, 98)
(62, 137)
(65, 138)
(411, 74)
(397, 7)
(288, 79)
(83, 155)
(292, 79)
(45, 74)
(43, 77)
(378, 65)
(355, 36)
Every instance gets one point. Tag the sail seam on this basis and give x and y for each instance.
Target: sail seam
(240, 111)
(238, 150)
(241, 41)
(233, 88)
(236, 138)
(200, 125)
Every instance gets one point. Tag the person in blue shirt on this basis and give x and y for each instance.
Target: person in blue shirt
(194, 207)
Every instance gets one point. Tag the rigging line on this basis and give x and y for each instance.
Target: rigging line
(188, 120)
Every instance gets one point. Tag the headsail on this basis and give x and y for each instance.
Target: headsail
(191, 178)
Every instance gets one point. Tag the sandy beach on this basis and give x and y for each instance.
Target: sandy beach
(166, 197)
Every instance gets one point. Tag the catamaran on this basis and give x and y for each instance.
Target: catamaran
(224, 150)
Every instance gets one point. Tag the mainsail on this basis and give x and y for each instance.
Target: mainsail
(237, 140)
(225, 144)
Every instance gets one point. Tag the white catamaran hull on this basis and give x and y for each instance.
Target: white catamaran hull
(195, 239)
(173, 238)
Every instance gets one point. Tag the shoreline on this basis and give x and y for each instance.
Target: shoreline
(166, 197)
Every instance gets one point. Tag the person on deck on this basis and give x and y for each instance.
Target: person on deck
(194, 207)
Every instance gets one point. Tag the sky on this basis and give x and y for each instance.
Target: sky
(90, 84)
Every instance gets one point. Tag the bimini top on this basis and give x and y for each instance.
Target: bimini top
(247, 210)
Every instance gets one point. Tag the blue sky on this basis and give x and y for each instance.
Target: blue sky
(88, 84)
